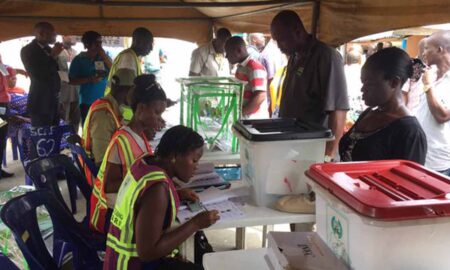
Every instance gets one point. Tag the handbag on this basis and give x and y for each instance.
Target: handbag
(201, 247)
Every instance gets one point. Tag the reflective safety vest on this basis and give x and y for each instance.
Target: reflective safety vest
(121, 250)
(129, 151)
(98, 105)
(114, 68)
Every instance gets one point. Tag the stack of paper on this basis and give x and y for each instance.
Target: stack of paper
(216, 199)
(204, 176)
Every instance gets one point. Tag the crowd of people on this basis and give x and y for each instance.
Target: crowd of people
(405, 115)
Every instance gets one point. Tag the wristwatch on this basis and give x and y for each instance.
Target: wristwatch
(327, 159)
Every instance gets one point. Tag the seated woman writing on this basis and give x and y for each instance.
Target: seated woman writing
(386, 130)
(147, 204)
(148, 102)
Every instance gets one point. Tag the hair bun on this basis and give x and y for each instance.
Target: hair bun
(144, 80)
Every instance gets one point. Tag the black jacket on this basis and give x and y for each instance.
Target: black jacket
(45, 81)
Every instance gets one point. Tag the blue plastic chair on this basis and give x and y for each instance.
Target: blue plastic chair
(78, 152)
(44, 174)
(6, 263)
(19, 214)
(41, 142)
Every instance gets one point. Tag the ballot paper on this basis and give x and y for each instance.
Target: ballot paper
(204, 176)
(216, 199)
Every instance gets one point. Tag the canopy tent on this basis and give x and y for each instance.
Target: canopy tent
(334, 21)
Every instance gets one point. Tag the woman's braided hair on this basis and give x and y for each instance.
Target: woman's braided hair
(146, 90)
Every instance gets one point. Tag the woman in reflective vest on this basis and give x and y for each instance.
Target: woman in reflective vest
(128, 143)
(140, 235)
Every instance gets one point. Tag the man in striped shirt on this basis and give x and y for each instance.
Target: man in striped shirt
(254, 74)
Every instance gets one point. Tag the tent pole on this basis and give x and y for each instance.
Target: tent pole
(315, 18)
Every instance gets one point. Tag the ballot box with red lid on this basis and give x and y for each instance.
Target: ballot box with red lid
(383, 214)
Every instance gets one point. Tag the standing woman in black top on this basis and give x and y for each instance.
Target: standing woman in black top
(386, 130)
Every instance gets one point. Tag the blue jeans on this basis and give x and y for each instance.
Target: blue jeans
(446, 172)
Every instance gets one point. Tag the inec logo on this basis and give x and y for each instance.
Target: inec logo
(336, 227)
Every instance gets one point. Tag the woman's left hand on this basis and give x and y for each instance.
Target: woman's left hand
(187, 194)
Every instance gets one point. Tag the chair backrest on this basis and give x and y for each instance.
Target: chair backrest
(44, 174)
(6, 263)
(19, 214)
(41, 141)
(81, 158)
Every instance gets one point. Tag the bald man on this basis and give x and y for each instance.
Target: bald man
(256, 43)
(254, 74)
(314, 89)
(434, 108)
(39, 60)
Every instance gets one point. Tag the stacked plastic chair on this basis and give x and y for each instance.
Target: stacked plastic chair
(79, 155)
(41, 142)
(19, 214)
(44, 172)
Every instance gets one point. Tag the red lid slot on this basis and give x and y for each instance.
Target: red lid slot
(373, 183)
(411, 195)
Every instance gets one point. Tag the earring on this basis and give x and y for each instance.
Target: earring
(173, 160)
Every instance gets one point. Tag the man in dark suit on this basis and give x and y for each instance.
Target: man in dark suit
(40, 62)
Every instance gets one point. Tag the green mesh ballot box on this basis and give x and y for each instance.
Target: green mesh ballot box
(210, 106)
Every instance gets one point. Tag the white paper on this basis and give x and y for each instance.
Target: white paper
(3, 70)
(216, 199)
(227, 210)
(99, 65)
(213, 194)
(204, 168)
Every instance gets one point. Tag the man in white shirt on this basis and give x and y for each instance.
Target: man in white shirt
(434, 109)
(209, 60)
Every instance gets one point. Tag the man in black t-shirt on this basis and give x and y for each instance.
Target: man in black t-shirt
(314, 89)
